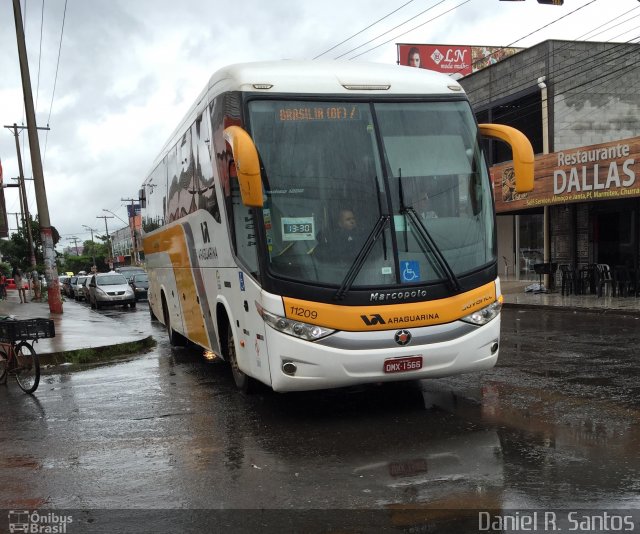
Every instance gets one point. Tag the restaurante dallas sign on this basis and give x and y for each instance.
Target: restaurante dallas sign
(597, 172)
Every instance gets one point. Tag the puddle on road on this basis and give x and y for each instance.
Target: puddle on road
(13, 462)
(17, 486)
(592, 380)
(553, 437)
(535, 409)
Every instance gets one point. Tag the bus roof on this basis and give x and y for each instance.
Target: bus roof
(293, 77)
(330, 77)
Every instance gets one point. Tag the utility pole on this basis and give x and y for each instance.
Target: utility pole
(21, 213)
(16, 214)
(46, 233)
(75, 242)
(24, 205)
(93, 248)
(106, 229)
(132, 226)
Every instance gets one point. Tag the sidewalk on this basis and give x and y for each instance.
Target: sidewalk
(77, 328)
(515, 296)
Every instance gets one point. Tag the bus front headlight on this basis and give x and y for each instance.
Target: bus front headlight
(486, 314)
(309, 332)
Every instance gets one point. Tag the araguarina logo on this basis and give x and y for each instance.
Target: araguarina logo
(372, 320)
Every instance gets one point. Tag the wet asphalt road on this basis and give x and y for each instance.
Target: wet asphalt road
(555, 425)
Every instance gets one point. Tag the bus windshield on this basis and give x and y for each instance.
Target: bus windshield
(372, 194)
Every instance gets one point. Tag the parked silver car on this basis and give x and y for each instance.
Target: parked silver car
(85, 288)
(110, 289)
(77, 291)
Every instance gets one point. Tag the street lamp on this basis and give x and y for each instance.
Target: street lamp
(132, 230)
(125, 222)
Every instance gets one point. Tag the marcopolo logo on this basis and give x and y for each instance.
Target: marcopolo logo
(38, 522)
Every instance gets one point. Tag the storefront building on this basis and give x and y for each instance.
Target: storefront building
(578, 104)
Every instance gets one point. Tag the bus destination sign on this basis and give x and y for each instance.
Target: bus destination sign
(319, 113)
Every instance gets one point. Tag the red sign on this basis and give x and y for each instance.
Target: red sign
(454, 60)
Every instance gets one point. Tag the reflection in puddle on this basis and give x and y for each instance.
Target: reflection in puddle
(468, 463)
(558, 448)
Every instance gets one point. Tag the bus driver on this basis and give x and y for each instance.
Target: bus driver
(341, 242)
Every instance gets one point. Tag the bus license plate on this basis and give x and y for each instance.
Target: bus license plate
(399, 365)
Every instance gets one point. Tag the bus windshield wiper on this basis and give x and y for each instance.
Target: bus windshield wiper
(411, 214)
(362, 256)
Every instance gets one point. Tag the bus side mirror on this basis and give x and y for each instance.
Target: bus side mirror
(522, 152)
(247, 164)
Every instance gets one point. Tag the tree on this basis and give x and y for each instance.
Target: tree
(91, 251)
(16, 251)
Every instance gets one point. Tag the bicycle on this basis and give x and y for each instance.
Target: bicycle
(17, 355)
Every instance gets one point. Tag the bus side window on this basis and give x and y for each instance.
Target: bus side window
(244, 227)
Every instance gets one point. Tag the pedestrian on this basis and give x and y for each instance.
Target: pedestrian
(3, 286)
(17, 278)
(37, 288)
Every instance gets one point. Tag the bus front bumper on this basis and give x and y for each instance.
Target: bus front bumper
(298, 365)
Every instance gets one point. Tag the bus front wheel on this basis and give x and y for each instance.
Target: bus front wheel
(243, 382)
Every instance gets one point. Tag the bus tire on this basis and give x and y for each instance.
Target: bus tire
(243, 382)
(175, 339)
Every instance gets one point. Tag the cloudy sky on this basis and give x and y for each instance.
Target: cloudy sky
(129, 69)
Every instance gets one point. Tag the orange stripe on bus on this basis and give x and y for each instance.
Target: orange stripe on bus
(390, 316)
(172, 241)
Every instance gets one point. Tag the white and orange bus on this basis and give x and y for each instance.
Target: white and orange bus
(242, 248)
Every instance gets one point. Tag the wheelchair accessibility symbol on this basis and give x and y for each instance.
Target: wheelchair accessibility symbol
(410, 271)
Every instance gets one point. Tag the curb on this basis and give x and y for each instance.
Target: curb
(574, 309)
(96, 354)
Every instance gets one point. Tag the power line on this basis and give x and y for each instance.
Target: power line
(568, 68)
(563, 74)
(595, 61)
(362, 30)
(40, 54)
(400, 35)
(456, 7)
(55, 80)
(584, 35)
(589, 85)
(525, 36)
